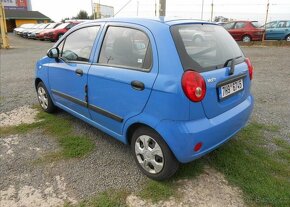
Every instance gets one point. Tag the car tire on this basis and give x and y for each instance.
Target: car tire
(44, 98)
(152, 154)
(246, 38)
(287, 38)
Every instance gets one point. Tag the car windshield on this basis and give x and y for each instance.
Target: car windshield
(42, 26)
(204, 47)
(62, 26)
(51, 26)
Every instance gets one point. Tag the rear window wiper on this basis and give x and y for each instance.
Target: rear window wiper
(227, 62)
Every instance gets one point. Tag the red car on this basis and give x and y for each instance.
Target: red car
(40, 34)
(59, 31)
(245, 31)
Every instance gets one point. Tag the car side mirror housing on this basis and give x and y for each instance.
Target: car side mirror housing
(53, 53)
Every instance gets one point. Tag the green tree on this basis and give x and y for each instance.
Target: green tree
(82, 15)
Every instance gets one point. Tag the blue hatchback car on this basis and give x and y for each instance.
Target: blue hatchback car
(173, 89)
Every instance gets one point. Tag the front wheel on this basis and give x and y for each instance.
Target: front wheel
(152, 154)
(288, 38)
(246, 38)
(44, 98)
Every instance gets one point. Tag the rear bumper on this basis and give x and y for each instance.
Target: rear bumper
(182, 136)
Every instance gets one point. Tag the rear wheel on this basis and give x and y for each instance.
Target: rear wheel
(44, 98)
(152, 155)
(288, 38)
(246, 38)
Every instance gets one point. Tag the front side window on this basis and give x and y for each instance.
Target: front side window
(126, 47)
(239, 25)
(78, 45)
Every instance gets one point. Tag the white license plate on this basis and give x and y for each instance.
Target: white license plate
(231, 88)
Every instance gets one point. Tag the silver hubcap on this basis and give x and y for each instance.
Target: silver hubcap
(42, 97)
(246, 39)
(288, 39)
(149, 154)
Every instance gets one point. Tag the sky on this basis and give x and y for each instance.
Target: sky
(235, 9)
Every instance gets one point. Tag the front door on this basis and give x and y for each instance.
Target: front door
(120, 82)
(68, 74)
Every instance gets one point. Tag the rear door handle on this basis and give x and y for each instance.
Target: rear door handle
(137, 85)
(79, 72)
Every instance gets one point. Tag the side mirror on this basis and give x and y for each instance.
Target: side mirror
(53, 53)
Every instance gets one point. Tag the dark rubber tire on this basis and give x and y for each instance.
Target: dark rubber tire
(50, 106)
(171, 164)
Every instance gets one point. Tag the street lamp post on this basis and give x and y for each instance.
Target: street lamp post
(202, 4)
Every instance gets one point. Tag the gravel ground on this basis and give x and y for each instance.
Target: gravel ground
(271, 86)
(110, 165)
(208, 189)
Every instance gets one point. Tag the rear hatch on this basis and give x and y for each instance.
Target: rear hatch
(211, 51)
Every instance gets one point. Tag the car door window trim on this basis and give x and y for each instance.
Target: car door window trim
(122, 66)
(89, 106)
(92, 49)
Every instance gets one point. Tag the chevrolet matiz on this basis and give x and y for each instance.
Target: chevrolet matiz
(174, 90)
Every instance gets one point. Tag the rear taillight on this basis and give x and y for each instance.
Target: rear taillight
(250, 67)
(193, 86)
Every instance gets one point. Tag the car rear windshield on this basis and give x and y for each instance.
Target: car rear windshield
(256, 24)
(205, 47)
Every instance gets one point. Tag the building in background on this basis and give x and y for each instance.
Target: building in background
(103, 11)
(17, 4)
(19, 12)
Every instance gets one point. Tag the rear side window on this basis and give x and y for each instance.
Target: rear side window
(204, 47)
(126, 47)
(78, 45)
(282, 24)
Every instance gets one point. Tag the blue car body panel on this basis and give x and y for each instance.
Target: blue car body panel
(162, 105)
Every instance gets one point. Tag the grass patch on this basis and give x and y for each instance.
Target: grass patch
(72, 146)
(110, 198)
(157, 191)
(247, 163)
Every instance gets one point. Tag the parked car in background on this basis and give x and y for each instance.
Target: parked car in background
(25, 32)
(40, 34)
(32, 33)
(278, 30)
(148, 84)
(245, 31)
(59, 31)
(18, 30)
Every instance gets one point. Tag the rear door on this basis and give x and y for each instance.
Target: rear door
(68, 74)
(212, 58)
(120, 81)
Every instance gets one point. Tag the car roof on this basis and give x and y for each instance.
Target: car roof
(151, 21)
